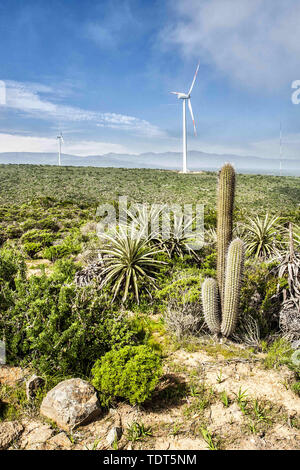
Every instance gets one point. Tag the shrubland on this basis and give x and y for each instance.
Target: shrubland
(98, 330)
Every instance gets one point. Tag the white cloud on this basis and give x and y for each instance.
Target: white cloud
(26, 99)
(21, 143)
(255, 42)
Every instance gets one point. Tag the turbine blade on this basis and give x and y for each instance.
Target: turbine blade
(175, 92)
(192, 115)
(194, 79)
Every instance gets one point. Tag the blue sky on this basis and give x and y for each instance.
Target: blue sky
(101, 71)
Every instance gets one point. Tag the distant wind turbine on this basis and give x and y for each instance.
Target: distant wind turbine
(60, 141)
(186, 97)
(280, 150)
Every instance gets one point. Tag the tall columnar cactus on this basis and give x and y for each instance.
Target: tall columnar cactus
(225, 200)
(233, 276)
(210, 304)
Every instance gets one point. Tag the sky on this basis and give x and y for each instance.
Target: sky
(101, 72)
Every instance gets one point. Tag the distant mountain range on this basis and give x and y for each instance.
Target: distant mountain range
(169, 160)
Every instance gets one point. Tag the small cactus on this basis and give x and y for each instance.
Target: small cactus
(226, 189)
(233, 275)
(209, 293)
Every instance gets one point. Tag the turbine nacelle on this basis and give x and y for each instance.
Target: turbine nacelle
(181, 96)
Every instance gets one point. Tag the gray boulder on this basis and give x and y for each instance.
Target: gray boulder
(71, 403)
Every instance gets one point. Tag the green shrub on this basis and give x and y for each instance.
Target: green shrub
(70, 245)
(12, 265)
(44, 237)
(32, 248)
(184, 286)
(259, 296)
(209, 265)
(55, 252)
(65, 269)
(29, 224)
(12, 268)
(60, 329)
(47, 223)
(296, 388)
(131, 373)
(13, 231)
(279, 353)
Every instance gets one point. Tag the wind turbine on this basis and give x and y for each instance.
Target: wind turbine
(60, 141)
(186, 97)
(280, 150)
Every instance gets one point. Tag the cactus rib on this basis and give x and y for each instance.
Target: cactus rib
(226, 189)
(210, 304)
(234, 269)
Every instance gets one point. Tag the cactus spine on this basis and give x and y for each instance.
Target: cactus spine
(210, 305)
(226, 188)
(234, 270)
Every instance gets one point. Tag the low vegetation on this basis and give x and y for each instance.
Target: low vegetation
(114, 309)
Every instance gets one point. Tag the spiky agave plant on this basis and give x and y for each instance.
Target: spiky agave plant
(289, 266)
(179, 239)
(146, 220)
(261, 236)
(170, 232)
(129, 259)
(296, 235)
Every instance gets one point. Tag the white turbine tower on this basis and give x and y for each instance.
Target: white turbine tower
(186, 97)
(60, 141)
(280, 150)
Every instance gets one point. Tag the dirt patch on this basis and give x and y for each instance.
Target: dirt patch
(34, 267)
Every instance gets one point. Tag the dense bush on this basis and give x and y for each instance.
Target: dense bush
(32, 248)
(45, 237)
(70, 245)
(59, 328)
(56, 252)
(184, 286)
(12, 267)
(131, 373)
(260, 298)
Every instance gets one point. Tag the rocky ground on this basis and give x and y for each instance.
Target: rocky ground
(205, 401)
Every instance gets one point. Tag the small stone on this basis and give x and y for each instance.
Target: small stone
(37, 437)
(71, 403)
(12, 376)
(9, 431)
(59, 442)
(114, 435)
(295, 344)
(32, 386)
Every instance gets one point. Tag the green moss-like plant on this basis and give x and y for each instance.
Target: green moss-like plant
(131, 373)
